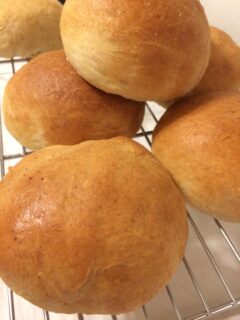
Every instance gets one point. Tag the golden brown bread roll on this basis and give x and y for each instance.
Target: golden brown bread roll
(48, 103)
(94, 228)
(28, 27)
(223, 72)
(198, 141)
(158, 50)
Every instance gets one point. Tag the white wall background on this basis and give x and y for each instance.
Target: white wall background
(224, 14)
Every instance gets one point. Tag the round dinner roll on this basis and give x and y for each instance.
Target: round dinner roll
(47, 103)
(156, 50)
(95, 228)
(223, 72)
(28, 27)
(198, 141)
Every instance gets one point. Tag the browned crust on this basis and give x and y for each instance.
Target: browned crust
(94, 228)
(29, 27)
(223, 72)
(198, 142)
(156, 50)
(48, 103)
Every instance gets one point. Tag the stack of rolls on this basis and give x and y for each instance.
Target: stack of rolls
(93, 222)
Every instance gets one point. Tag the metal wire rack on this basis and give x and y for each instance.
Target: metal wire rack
(207, 282)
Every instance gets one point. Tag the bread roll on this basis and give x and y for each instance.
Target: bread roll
(48, 103)
(28, 27)
(223, 72)
(158, 50)
(198, 141)
(94, 228)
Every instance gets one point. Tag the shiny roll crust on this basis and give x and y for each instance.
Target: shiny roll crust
(96, 228)
(154, 50)
(198, 141)
(223, 72)
(28, 27)
(48, 103)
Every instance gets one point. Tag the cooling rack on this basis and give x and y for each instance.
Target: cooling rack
(207, 282)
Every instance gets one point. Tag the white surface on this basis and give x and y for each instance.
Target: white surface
(224, 14)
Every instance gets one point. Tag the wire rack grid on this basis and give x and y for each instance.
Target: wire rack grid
(207, 282)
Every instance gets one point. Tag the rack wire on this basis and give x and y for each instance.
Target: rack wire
(207, 282)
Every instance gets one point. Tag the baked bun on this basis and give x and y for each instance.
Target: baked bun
(29, 27)
(48, 103)
(198, 141)
(158, 50)
(96, 228)
(223, 72)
